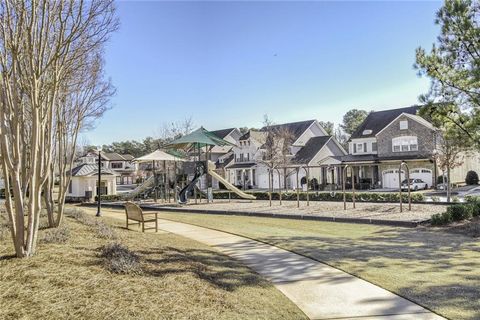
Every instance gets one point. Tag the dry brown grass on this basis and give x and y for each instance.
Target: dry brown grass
(180, 279)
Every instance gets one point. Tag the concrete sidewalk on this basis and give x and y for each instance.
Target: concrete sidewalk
(320, 291)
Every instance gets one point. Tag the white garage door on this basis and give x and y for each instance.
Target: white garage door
(390, 178)
(422, 173)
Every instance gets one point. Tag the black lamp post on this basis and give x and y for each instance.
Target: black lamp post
(99, 202)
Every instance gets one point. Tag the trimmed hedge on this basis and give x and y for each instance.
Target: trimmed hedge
(110, 197)
(458, 212)
(471, 178)
(327, 196)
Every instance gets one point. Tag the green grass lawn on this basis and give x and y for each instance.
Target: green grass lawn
(180, 279)
(438, 270)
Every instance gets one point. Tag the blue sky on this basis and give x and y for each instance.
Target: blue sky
(226, 64)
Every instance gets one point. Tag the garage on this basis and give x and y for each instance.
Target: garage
(390, 178)
(422, 173)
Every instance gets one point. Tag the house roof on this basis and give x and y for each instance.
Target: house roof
(112, 156)
(378, 120)
(296, 128)
(128, 157)
(310, 150)
(255, 134)
(242, 165)
(222, 133)
(85, 170)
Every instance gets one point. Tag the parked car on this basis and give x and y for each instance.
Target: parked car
(442, 186)
(415, 184)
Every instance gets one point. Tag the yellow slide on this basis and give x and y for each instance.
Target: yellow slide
(230, 186)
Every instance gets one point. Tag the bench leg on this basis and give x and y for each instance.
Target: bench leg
(143, 226)
(127, 223)
(156, 222)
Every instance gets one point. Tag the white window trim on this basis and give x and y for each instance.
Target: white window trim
(405, 122)
(405, 141)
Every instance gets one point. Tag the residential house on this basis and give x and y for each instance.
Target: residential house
(121, 164)
(311, 146)
(384, 140)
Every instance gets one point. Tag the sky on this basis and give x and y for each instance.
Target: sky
(227, 64)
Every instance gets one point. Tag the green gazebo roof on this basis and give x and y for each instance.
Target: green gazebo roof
(198, 138)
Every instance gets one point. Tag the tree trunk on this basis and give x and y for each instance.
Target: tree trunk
(448, 185)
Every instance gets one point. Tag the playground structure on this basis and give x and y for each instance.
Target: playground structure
(158, 184)
(195, 141)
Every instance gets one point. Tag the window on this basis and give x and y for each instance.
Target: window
(359, 147)
(248, 156)
(404, 144)
(239, 176)
(117, 165)
(374, 146)
(354, 148)
(254, 182)
(404, 125)
(241, 157)
(70, 189)
(364, 147)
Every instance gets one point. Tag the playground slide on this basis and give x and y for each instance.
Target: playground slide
(230, 186)
(183, 195)
(141, 188)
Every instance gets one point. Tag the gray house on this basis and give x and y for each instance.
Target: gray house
(388, 137)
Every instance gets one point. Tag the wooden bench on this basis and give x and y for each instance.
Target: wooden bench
(135, 213)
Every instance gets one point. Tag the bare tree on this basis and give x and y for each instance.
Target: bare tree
(277, 153)
(40, 44)
(84, 101)
(173, 130)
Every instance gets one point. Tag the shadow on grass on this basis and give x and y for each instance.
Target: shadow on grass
(7, 257)
(438, 270)
(217, 269)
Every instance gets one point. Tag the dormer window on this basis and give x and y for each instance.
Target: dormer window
(366, 132)
(404, 125)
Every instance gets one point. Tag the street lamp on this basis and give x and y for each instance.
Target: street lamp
(99, 203)
(435, 173)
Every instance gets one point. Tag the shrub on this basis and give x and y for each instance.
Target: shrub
(460, 212)
(56, 235)
(105, 231)
(330, 196)
(109, 197)
(471, 178)
(119, 259)
(474, 201)
(440, 219)
(101, 228)
(435, 199)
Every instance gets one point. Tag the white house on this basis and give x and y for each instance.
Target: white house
(83, 185)
(122, 164)
(311, 146)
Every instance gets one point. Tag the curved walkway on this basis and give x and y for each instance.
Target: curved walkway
(320, 291)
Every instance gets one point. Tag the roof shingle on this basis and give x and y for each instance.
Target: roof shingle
(377, 120)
